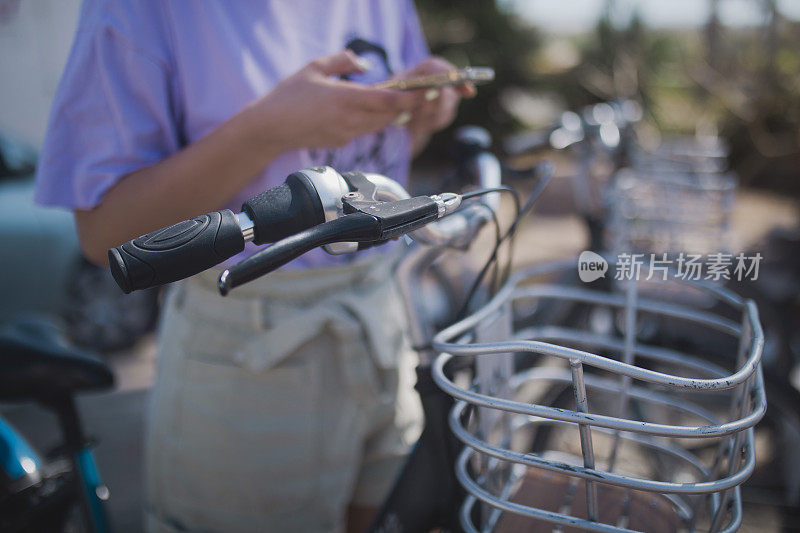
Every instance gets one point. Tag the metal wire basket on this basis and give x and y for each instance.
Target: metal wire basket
(670, 211)
(572, 427)
(686, 154)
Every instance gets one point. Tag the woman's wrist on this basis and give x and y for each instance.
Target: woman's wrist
(259, 128)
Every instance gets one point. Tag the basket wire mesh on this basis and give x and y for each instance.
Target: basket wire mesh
(670, 211)
(573, 425)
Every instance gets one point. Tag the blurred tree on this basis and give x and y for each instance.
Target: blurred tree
(479, 33)
(742, 82)
(755, 79)
(621, 58)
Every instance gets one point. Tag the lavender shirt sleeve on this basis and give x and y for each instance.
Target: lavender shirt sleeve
(414, 47)
(112, 113)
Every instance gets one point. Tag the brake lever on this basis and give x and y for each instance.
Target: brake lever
(356, 227)
(366, 220)
(365, 197)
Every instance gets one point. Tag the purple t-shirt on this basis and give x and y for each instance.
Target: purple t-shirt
(145, 78)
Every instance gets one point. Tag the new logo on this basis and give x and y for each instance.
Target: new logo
(591, 266)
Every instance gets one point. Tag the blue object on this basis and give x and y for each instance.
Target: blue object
(16, 456)
(96, 492)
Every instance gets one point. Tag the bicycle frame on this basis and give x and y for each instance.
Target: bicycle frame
(87, 476)
(20, 462)
(25, 469)
(426, 494)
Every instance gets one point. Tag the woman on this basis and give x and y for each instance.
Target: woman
(287, 407)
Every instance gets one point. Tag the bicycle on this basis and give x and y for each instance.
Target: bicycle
(61, 491)
(345, 212)
(679, 197)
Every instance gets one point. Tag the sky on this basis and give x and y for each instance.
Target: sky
(581, 15)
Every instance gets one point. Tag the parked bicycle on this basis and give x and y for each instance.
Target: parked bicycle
(679, 197)
(61, 490)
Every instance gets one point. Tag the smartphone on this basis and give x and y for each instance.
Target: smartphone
(474, 75)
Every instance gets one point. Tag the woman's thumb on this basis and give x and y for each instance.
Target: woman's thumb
(345, 62)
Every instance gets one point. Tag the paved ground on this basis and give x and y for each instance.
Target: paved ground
(117, 418)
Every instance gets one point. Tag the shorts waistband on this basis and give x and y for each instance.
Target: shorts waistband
(304, 295)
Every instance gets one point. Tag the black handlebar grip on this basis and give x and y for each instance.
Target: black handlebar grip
(285, 210)
(176, 252)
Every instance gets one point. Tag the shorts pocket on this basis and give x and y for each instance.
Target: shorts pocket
(244, 442)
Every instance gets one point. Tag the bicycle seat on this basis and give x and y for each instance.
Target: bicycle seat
(36, 363)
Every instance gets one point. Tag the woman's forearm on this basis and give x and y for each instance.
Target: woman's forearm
(198, 179)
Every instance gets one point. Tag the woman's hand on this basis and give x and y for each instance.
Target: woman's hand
(440, 105)
(314, 109)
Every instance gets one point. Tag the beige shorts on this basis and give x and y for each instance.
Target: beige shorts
(278, 406)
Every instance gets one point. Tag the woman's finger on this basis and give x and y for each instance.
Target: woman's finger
(466, 90)
(344, 62)
(389, 100)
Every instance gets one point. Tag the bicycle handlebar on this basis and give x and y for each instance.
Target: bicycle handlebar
(594, 122)
(366, 221)
(192, 246)
(314, 207)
